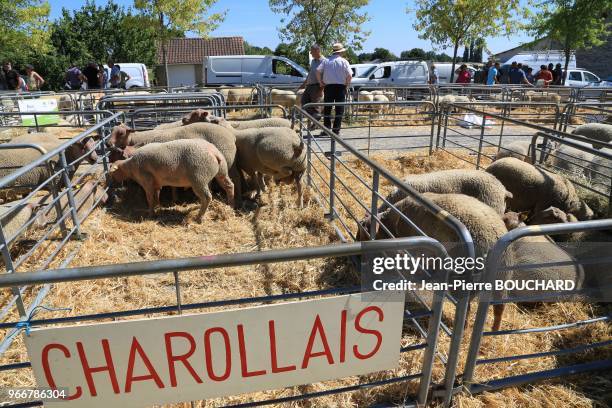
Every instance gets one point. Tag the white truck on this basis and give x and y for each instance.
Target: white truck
(252, 69)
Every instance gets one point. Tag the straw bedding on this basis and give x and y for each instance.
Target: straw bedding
(123, 233)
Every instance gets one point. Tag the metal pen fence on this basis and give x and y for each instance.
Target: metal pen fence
(575, 114)
(479, 357)
(129, 103)
(35, 229)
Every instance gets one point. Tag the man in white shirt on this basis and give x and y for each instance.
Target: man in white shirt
(334, 75)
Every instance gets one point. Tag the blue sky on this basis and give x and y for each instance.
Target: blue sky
(390, 26)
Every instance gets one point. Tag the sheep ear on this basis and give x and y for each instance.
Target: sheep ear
(524, 216)
(203, 113)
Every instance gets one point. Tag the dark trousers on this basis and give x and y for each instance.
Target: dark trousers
(312, 94)
(334, 93)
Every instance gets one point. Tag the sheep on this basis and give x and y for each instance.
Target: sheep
(598, 132)
(521, 150)
(548, 97)
(535, 189)
(13, 159)
(571, 160)
(446, 100)
(277, 152)
(283, 98)
(20, 214)
(482, 221)
(474, 183)
(534, 250)
(179, 163)
(258, 123)
(224, 139)
(239, 96)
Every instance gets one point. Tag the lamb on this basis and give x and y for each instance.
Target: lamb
(598, 132)
(534, 250)
(474, 183)
(239, 96)
(571, 160)
(13, 159)
(535, 189)
(179, 163)
(277, 152)
(224, 139)
(284, 98)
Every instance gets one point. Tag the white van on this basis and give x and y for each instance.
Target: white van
(139, 77)
(444, 71)
(252, 69)
(360, 69)
(394, 73)
(535, 59)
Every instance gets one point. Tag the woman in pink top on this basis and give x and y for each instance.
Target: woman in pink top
(463, 76)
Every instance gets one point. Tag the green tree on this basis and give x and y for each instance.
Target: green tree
(413, 54)
(383, 54)
(255, 50)
(179, 15)
(322, 22)
(451, 22)
(23, 28)
(287, 50)
(576, 24)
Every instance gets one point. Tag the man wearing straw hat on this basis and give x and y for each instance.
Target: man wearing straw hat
(334, 75)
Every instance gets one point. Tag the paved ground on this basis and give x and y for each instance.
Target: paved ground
(412, 137)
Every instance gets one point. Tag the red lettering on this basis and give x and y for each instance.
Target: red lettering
(228, 354)
(47, 369)
(343, 336)
(361, 329)
(88, 371)
(275, 367)
(308, 354)
(243, 357)
(130, 378)
(183, 358)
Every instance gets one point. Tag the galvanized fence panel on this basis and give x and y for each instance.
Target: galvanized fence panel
(478, 356)
(36, 227)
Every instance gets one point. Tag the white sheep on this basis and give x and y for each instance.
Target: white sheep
(534, 189)
(547, 97)
(518, 149)
(282, 97)
(600, 133)
(475, 183)
(571, 160)
(180, 163)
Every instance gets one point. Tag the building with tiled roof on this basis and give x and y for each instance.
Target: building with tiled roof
(186, 56)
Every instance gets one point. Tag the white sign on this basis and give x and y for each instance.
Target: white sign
(193, 357)
(38, 105)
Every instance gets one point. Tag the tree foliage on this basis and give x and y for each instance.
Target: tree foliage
(179, 15)
(576, 24)
(23, 28)
(452, 22)
(322, 21)
(255, 50)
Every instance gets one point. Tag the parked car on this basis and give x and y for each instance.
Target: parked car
(582, 77)
(252, 69)
(360, 69)
(395, 73)
(139, 77)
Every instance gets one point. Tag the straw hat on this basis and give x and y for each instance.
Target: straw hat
(338, 47)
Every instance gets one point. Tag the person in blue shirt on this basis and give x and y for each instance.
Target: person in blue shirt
(516, 75)
(492, 74)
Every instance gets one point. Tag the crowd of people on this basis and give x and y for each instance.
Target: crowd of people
(92, 76)
(519, 74)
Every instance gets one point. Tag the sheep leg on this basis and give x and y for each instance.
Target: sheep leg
(498, 311)
(227, 185)
(235, 177)
(203, 193)
(261, 183)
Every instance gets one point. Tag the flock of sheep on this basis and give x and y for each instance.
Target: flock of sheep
(192, 152)
(510, 193)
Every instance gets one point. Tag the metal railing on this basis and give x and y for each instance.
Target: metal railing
(129, 103)
(495, 267)
(36, 228)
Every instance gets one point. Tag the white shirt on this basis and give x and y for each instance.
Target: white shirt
(334, 70)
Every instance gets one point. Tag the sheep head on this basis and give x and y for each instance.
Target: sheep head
(198, 115)
(120, 136)
(117, 172)
(514, 219)
(551, 215)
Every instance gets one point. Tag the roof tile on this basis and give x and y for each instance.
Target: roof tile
(193, 50)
